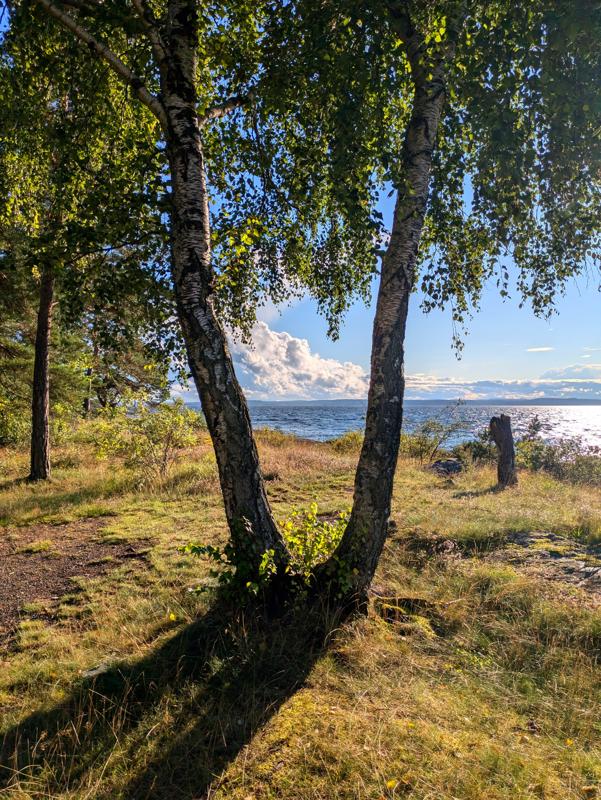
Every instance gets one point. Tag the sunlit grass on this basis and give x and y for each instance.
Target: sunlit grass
(493, 691)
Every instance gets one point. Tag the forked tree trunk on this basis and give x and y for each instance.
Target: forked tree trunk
(40, 399)
(357, 555)
(500, 431)
(250, 520)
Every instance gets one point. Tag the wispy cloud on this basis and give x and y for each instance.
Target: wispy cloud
(539, 349)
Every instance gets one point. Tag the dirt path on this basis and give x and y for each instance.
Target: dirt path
(40, 563)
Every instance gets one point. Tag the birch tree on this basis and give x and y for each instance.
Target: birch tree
(281, 125)
(235, 232)
(483, 121)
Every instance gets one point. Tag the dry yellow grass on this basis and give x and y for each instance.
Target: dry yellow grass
(135, 687)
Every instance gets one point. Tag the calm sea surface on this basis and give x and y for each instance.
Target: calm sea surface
(321, 422)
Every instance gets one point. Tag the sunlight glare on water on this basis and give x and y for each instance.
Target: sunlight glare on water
(321, 422)
(329, 420)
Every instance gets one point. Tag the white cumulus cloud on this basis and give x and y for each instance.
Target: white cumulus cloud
(279, 365)
(576, 371)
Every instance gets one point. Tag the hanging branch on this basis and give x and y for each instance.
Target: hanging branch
(225, 108)
(102, 51)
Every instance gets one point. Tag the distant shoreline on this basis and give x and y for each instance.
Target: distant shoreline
(542, 401)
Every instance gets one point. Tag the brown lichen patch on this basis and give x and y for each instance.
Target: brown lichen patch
(551, 556)
(39, 564)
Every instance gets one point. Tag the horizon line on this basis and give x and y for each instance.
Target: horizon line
(437, 400)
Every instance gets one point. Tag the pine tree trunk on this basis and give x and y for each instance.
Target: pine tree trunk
(361, 546)
(500, 431)
(249, 516)
(40, 403)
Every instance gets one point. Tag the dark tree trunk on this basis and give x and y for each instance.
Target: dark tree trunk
(500, 431)
(40, 403)
(250, 520)
(87, 401)
(363, 540)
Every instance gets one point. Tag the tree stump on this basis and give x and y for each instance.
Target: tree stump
(500, 431)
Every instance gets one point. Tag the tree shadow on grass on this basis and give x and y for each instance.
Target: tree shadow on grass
(45, 503)
(477, 492)
(168, 724)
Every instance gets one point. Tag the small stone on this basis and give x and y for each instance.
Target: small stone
(447, 466)
(100, 669)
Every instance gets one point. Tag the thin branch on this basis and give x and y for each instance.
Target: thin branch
(102, 51)
(82, 5)
(221, 110)
(151, 27)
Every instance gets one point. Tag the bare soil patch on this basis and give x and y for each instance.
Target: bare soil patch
(40, 563)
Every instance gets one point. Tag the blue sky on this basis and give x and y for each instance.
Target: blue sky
(508, 351)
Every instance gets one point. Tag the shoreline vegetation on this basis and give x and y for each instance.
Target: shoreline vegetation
(474, 674)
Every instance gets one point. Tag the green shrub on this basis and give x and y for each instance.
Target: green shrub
(63, 421)
(234, 572)
(14, 425)
(349, 442)
(568, 460)
(147, 437)
(480, 450)
(311, 538)
(429, 439)
(274, 437)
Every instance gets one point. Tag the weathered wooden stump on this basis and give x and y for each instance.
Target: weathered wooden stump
(500, 431)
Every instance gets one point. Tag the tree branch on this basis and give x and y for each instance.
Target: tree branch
(221, 110)
(102, 51)
(151, 26)
(82, 5)
(402, 22)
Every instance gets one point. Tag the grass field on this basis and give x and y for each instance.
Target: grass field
(475, 674)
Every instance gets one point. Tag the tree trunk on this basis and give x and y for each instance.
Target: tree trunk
(175, 48)
(500, 431)
(249, 516)
(357, 555)
(40, 403)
